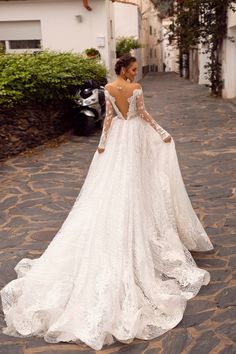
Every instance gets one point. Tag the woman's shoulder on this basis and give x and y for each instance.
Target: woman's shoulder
(110, 88)
(136, 86)
(112, 85)
(108, 85)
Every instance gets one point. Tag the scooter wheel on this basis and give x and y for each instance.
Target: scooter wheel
(84, 126)
(99, 124)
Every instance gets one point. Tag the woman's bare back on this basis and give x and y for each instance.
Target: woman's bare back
(121, 94)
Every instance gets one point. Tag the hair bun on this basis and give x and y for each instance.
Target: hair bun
(124, 61)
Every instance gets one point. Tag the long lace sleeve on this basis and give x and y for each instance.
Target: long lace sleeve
(106, 123)
(148, 118)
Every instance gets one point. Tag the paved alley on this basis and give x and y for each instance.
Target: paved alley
(38, 189)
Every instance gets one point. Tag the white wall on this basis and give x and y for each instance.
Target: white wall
(126, 17)
(169, 51)
(149, 19)
(59, 26)
(201, 62)
(229, 59)
(231, 18)
(126, 20)
(111, 45)
(137, 53)
(128, 24)
(229, 66)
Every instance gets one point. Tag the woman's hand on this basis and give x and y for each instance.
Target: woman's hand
(167, 139)
(100, 150)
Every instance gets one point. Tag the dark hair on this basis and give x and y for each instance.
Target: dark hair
(123, 62)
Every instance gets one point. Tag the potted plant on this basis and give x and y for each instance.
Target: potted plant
(92, 53)
(125, 44)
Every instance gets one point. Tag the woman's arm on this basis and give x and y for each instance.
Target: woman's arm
(148, 118)
(106, 124)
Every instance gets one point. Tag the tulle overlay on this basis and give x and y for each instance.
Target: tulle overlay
(120, 266)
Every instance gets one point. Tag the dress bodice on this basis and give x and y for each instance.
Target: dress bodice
(132, 110)
(136, 109)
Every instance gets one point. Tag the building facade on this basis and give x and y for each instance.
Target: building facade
(127, 23)
(146, 27)
(61, 25)
(198, 59)
(170, 51)
(75, 25)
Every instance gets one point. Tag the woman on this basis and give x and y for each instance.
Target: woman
(120, 266)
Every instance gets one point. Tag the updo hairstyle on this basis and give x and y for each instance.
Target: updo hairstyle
(123, 62)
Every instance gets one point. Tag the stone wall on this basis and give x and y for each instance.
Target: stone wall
(24, 127)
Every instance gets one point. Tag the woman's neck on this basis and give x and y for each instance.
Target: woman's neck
(121, 80)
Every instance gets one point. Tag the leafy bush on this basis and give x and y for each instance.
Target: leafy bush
(125, 44)
(45, 76)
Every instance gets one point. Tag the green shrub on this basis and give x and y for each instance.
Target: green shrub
(45, 76)
(125, 44)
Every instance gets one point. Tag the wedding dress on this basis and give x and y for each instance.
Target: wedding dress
(120, 266)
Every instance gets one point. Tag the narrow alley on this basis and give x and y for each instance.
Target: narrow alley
(38, 190)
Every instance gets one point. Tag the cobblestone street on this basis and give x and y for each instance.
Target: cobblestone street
(38, 189)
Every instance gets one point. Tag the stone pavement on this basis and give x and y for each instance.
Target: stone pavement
(38, 189)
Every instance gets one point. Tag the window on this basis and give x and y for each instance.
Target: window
(150, 30)
(20, 35)
(150, 52)
(25, 44)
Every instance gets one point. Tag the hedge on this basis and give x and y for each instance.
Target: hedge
(44, 76)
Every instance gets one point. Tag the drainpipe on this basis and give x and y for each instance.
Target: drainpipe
(86, 5)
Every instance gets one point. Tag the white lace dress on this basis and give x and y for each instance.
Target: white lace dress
(120, 266)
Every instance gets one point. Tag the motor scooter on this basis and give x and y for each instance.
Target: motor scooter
(90, 107)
